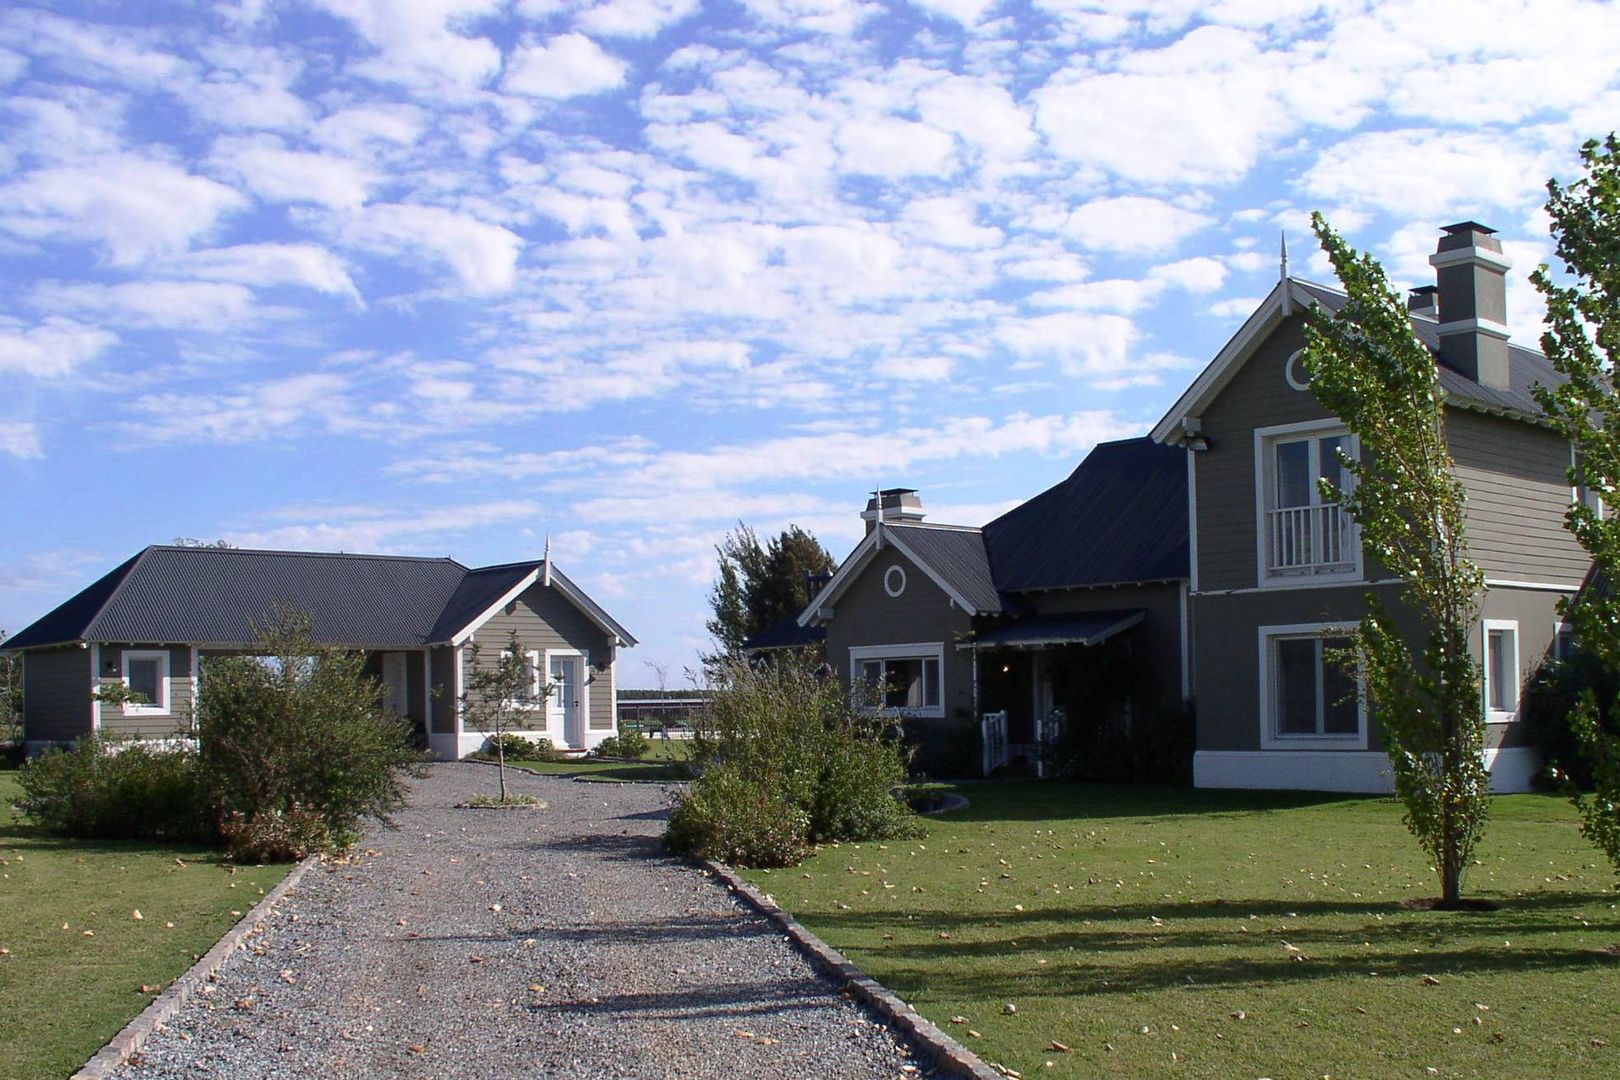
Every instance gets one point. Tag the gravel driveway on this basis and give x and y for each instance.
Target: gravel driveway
(557, 942)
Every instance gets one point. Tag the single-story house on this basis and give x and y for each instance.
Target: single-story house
(148, 625)
(1071, 607)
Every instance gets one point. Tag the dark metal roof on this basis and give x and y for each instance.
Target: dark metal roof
(957, 555)
(1526, 367)
(786, 634)
(1120, 517)
(217, 596)
(1088, 628)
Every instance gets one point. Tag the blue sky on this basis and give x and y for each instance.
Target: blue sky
(443, 277)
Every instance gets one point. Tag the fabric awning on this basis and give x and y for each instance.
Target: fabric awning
(1086, 628)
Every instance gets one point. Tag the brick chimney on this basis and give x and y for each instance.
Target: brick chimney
(898, 505)
(1471, 274)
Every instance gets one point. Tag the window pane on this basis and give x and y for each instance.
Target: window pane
(1293, 474)
(1296, 686)
(145, 681)
(1328, 467)
(1339, 708)
(905, 684)
(931, 683)
(1503, 679)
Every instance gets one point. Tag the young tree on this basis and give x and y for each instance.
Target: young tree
(1583, 343)
(502, 697)
(1368, 368)
(759, 585)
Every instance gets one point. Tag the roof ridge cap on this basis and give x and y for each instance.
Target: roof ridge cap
(381, 556)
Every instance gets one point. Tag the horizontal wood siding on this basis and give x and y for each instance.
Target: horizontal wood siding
(545, 619)
(1518, 493)
(179, 718)
(1258, 396)
(56, 694)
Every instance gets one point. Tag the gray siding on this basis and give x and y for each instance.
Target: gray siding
(544, 619)
(56, 694)
(867, 615)
(1536, 613)
(114, 722)
(1517, 497)
(1257, 396)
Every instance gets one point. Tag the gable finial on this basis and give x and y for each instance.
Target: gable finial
(546, 573)
(1282, 257)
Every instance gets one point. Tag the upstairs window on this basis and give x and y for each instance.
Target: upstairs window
(1304, 536)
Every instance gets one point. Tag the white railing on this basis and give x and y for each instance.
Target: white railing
(1309, 540)
(993, 739)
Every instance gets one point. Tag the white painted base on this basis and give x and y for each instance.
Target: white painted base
(1364, 772)
(454, 747)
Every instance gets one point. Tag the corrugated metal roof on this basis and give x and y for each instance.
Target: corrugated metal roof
(1121, 516)
(218, 595)
(957, 555)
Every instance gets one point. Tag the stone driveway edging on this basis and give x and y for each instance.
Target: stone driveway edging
(949, 1055)
(166, 1004)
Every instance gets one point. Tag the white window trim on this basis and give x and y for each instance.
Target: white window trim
(1263, 438)
(1269, 739)
(1579, 493)
(584, 696)
(165, 678)
(890, 572)
(924, 650)
(1494, 716)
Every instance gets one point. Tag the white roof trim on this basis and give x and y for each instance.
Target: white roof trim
(488, 613)
(856, 562)
(1213, 379)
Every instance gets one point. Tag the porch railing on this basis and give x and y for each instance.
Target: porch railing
(993, 739)
(1309, 540)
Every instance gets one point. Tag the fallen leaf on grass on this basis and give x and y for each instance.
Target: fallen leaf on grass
(1598, 1044)
(1059, 1047)
(148, 988)
(1430, 980)
(958, 1019)
(136, 915)
(87, 933)
(975, 1034)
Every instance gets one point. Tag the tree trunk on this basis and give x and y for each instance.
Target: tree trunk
(500, 759)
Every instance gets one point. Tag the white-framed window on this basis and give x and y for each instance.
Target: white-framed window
(1307, 701)
(1303, 537)
(146, 674)
(1589, 497)
(1501, 689)
(532, 669)
(908, 679)
(1563, 647)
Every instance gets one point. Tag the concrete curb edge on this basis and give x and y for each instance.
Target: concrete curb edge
(949, 1054)
(165, 1005)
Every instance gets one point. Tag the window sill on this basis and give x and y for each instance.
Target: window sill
(1358, 741)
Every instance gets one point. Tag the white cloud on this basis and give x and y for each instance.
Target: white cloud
(1132, 223)
(835, 17)
(271, 171)
(20, 438)
(317, 400)
(267, 265)
(1201, 274)
(220, 307)
(483, 256)
(889, 146)
(569, 65)
(419, 43)
(950, 222)
(12, 65)
(1430, 172)
(135, 207)
(380, 528)
(633, 18)
(50, 349)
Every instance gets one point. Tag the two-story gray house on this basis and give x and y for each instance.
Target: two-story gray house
(148, 625)
(1275, 569)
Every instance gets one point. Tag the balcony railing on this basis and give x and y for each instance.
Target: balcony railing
(1309, 540)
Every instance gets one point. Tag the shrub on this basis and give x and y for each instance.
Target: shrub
(512, 745)
(727, 816)
(302, 734)
(626, 744)
(128, 791)
(1550, 697)
(785, 761)
(276, 835)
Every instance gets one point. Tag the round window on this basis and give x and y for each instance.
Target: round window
(1294, 372)
(894, 580)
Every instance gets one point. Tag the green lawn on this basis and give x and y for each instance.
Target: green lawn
(78, 965)
(1233, 935)
(664, 763)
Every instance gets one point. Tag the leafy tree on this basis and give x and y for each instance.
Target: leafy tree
(1583, 343)
(10, 697)
(1368, 368)
(503, 696)
(295, 744)
(759, 585)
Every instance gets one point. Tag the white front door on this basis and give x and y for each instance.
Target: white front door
(564, 709)
(393, 678)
